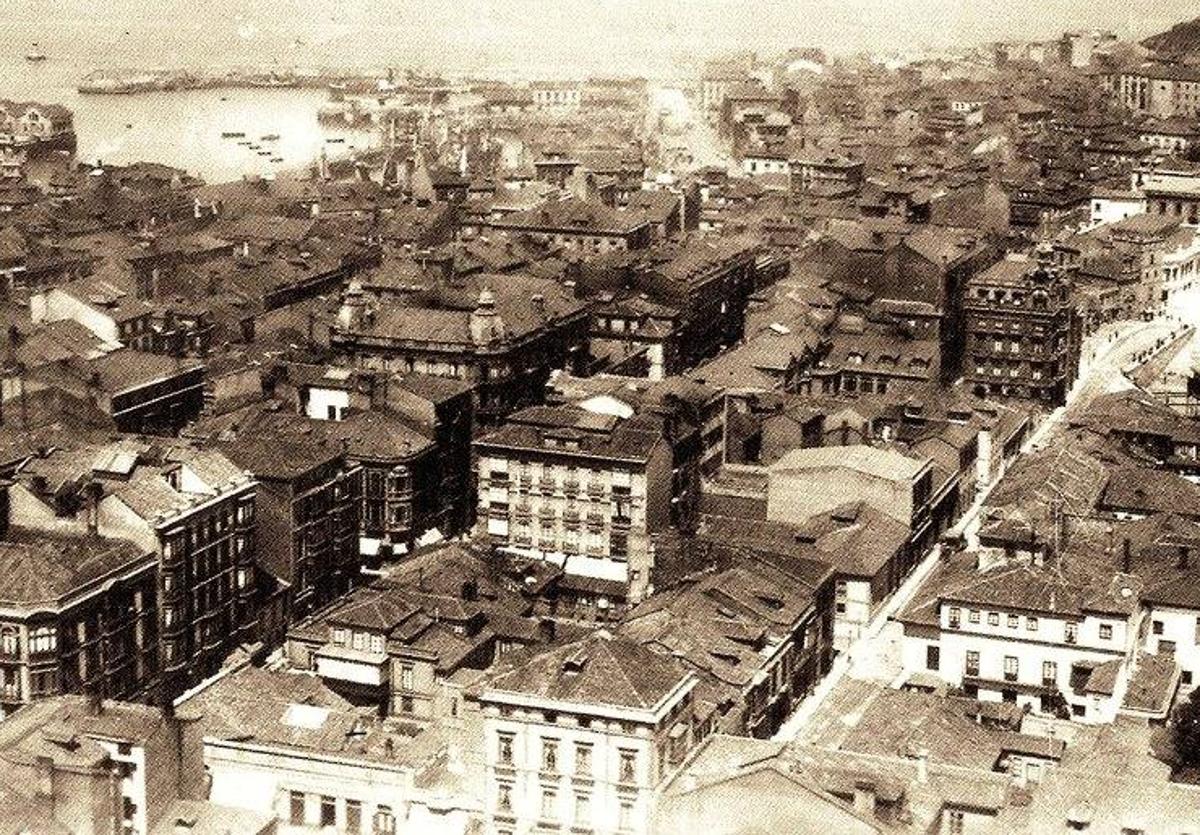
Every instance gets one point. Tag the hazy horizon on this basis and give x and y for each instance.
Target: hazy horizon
(473, 35)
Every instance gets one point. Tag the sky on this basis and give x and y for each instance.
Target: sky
(594, 34)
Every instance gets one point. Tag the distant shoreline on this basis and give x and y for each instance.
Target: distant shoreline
(130, 81)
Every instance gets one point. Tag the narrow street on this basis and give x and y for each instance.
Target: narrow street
(1105, 355)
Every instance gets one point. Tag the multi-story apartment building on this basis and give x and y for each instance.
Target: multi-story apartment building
(828, 175)
(1023, 332)
(582, 737)
(682, 305)
(309, 500)
(193, 509)
(1154, 255)
(1160, 90)
(406, 642)
(583, 491)
(693, 422)
(500, 334)
(1027, 635)
(79, 614)
(1063, 621)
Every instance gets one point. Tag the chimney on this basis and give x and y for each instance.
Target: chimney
(547, 630)
(93, 701)
(1126, 556)
(923, 765)
(44, 773)
(538, 302)
(94, 491)
(864, 799)
(1184, 554)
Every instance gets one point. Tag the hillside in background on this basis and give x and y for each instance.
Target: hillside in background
(1179, 42)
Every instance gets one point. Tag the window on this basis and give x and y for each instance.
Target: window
(296, 808)
(1157, 627)
(385, 821)
(583, 808)
(1031, 624)
(9, 644)
(933, 657)
(972, 662)
(993, 618)
(550, 755)
(406, 677)
(628, 766)
(45, 639)
(377, 644)
(503, 797)
(955, 614)
(583, 759)
(505, 754)
(1071, 632)
(1013, 621)
(1010, 668)
(353, 816)
(1049, 672)
(954, 821)
(328, 811)
(973, 615)
(1106, 632)
(625, 816)
(549, 804)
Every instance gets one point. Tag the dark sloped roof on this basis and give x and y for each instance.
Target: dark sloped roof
(600, 669)
(37, 567)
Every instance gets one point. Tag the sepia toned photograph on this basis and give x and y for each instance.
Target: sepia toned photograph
(599, 417)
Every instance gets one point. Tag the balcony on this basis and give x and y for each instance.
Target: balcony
(355, 666)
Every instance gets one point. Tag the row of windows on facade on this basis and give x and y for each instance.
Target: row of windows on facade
(617, 548)
(242, 575)
(210, 528)
(1014, 370)
(616, 480)
(351, 820)
(42, 639)
(581, 811)
(397, 481)
(626, 767)
(1013, 621)
(1014, 297)
(971, 665)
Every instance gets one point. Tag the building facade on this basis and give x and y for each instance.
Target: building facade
(570, 743)
(1023, 332)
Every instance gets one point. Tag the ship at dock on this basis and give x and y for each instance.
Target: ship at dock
(36, 128)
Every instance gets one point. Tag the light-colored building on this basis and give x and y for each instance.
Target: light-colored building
(1062, 630)
(583, 736)
(95, 767)
(581, 490)
(280, 743)
(1114, 205)
(806, 482)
